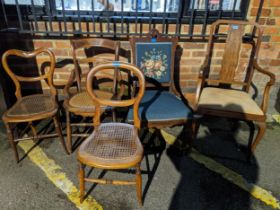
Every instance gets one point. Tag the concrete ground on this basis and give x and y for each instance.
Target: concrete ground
(214, 176)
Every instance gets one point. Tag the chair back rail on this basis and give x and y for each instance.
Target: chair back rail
(47, 75)
(123, 103)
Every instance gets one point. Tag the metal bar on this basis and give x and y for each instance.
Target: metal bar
(258, 16)
(34, 15)
(233, 9)
(122, 16)
(79, 15)
(19, 15)
(164, 16)
(92, 15)
(47, 3)
(205, 17)
(4, 13)
(179, 15)
(108, 17)
(136, 17)
(150, 16)
(191, 19)
(63, 14)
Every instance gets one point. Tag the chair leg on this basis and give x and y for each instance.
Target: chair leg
(11, 140)
(58, 131)
(82, 181)
(139, 184)
(261, 131)
(69, 132)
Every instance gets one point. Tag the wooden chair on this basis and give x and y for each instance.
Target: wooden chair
(161, 105)
(221, 96)
(113, 145)
(32, 107)
(88, 53)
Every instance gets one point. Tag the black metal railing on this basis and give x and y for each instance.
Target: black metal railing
(187, 18)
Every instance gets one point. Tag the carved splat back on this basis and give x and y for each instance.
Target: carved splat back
(232, 58)
(232, 52)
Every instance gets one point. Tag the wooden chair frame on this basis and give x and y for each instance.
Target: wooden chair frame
(48, 77)
(229, 64)
(76, 77)
(98, 111)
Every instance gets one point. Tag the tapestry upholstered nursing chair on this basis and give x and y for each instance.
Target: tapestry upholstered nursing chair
(113, 145)
(35, 107)
(88, 53)
(226, 93)
(161, 105)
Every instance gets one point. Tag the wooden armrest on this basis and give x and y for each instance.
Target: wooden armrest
(69, 83)
(267, 87)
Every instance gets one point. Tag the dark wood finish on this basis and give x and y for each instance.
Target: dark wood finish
(230, 60)
(76, 76)
(108, 147)
(155, 36)
(33, 107)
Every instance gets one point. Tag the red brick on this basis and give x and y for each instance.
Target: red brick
(276, 12)
(271, 21)
(275, 39)
(192, 45)
(63, 44)
(42, 43)
(271, 30)
(265, 12)
(274, 3)
(198, 54)
(275, 62)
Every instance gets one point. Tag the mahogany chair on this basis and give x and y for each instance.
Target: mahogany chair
(88, 53)
(28, 109)
(228, 95)
(113, 145)
(161, 105)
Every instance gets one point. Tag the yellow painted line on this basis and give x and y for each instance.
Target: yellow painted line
(230, 175)
(276, 118)
(58, 177)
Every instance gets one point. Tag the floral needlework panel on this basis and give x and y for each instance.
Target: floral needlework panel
(154, 59)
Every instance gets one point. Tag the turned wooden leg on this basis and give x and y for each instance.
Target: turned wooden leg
(59, 133)
(82, 181)
(69, 132)
(11, 140)
(261, 131)
(139, 184)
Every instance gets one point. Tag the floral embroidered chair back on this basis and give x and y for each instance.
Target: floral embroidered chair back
(154, 55)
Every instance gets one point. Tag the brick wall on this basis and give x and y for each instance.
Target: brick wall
(193, 51)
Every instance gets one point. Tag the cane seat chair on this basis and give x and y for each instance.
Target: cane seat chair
(28, 109)
(226, 94)
(161, 105)
(88, 53)
(113, 145)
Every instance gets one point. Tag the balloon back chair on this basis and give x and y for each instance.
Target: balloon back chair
(225, 93)
(35, 107)
(113, 145)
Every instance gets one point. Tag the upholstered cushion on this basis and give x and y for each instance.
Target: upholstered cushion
(228, 100)
(161, 106)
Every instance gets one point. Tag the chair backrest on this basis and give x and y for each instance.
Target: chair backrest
(44, 76)
(154, 55)
(89, 47)
(237, 34)
(116, 103)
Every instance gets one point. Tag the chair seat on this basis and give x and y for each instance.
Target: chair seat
(34, 106)
(158, 106)
(228, 100)
(111, 145)
(82, 101)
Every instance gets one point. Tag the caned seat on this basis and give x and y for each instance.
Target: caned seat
(113, 145)
(225, 93)
(32, 107)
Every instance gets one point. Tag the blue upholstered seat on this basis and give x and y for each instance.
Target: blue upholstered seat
(161, 106)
